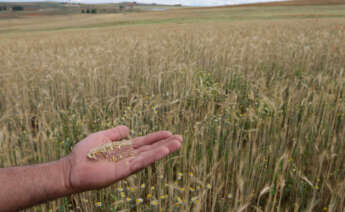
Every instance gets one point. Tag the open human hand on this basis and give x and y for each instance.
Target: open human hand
(84, 174)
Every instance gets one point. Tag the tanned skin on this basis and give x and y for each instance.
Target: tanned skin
(23, 187)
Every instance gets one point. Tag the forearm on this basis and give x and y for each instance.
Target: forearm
(22, 187)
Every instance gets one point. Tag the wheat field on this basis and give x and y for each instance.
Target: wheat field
(258, 95)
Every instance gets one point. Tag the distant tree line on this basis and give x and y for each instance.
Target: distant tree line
(93, 11)
(14, 8)
(120, 8)
(17, 8)
(3, 8)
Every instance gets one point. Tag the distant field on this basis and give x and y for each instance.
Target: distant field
(258, 94)
(182, 16)
(32, 9)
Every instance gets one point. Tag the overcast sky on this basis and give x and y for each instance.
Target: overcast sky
(183, 2)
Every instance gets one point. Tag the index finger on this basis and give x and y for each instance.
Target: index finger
(116, 133)
(150, 138)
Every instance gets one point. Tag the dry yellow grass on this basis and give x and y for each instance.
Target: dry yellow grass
(260, 105)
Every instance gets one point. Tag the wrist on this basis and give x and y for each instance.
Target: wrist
(65, 169)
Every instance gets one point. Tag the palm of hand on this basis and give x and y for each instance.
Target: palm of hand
(86, 174)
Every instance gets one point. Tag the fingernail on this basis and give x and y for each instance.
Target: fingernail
(179, 138)
(168, 133)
